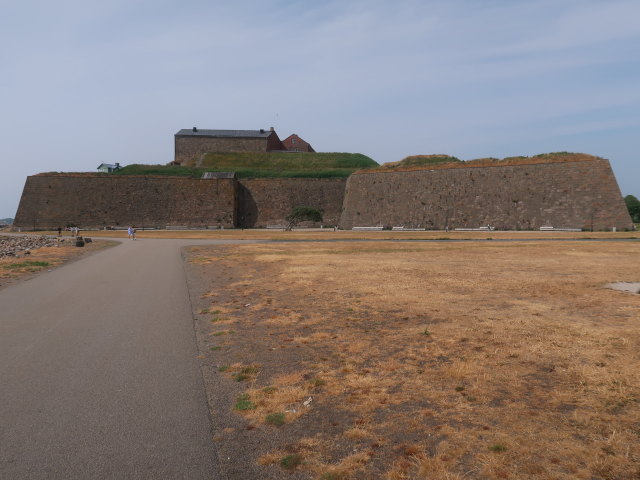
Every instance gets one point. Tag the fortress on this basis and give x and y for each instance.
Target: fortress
(568, 191)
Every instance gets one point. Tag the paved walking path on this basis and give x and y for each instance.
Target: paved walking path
(98, 371)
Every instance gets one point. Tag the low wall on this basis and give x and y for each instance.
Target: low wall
(577, 194)
(50, 201)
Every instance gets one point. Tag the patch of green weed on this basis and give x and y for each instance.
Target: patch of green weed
(32, 265)
(318, 382)
(275, 418)
(290, 462)
(245, 373)
(243, 403)
(330, 476)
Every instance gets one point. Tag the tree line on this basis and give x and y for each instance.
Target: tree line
(633, 205)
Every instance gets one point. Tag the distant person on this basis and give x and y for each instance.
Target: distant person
(133, 232)
(59, 231)
(130, 232)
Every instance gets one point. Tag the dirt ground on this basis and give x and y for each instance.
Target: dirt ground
(388, 360)
(329, 235)
(41, 260)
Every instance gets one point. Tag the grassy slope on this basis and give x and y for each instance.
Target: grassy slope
(278, 164)
(419, 162)
(315, 165)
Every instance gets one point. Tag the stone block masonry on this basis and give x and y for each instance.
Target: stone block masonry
(573, 194)
(50, 201)
(266, 201)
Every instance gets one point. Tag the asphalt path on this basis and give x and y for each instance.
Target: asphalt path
(99, 376)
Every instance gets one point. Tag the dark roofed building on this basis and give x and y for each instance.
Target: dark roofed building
(294, 143)
(191, 144)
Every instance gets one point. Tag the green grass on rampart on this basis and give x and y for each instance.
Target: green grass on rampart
(263, 165)
(426, 160)
(286, 161)
(419, 162)
(168, 170)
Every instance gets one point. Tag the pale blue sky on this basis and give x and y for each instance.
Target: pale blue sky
(86, 82)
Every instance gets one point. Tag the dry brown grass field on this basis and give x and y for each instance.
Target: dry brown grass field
(466, 360)
(329, 234)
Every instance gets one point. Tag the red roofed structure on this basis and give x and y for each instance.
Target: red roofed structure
(294, 143)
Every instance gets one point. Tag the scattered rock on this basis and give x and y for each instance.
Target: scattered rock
(18, 246)
(631, 287)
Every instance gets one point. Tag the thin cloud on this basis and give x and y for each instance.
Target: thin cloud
(465, 77)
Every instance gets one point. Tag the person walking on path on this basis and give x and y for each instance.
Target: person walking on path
(130, 232)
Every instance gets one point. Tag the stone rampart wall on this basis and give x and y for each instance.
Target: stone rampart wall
(51, 201)
(576, 194)
(266, 201)
(86, 200)
(580, 194)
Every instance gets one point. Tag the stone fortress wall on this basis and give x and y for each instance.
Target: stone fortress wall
(102, 200)
(266, 201)
(50, 201)
(580, 194)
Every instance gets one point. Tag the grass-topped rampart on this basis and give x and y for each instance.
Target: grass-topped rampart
(421, 161)
(432, 162)
(264, 165)
(166, 170)
(287, 164)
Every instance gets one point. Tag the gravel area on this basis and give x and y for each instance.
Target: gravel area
(20, 246)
